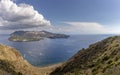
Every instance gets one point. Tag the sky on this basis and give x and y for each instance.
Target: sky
(62, 16)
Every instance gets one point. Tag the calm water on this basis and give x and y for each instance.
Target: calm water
(51, 51)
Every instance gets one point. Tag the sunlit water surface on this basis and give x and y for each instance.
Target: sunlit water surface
(51, 51)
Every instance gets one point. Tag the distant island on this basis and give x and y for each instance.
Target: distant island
(26, 36)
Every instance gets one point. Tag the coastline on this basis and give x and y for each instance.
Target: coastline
(46, 70)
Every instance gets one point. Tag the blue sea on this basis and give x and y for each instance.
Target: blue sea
(51, 51)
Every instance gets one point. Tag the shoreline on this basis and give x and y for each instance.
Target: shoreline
(52, 65)
(58, 63)
(46, 70)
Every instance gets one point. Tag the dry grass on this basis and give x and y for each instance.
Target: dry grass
(12, 63)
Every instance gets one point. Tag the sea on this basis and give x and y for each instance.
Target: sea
(52, 51)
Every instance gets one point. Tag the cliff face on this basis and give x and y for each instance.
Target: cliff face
(101, 58)
(12, 63)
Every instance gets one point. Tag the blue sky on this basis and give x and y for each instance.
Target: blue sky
(101, 11)
(85, 16)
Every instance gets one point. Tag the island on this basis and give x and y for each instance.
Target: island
(27, 36)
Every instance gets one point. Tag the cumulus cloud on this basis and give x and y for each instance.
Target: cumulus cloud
(18, 16)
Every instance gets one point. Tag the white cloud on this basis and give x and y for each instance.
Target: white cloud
(91, 28)
(114, 28)
(20, 16)
(86, 27)
(82, 28)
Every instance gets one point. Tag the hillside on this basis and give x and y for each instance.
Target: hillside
(12, 63)
(34, 35)
(101, 58)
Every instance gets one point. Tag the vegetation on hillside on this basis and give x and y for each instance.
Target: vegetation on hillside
(101, 58)
(12, 63)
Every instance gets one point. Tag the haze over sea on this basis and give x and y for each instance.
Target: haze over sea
(51, 51)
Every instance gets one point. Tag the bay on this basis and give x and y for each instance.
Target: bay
(51, 51)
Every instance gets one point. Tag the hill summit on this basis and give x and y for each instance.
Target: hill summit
(101, 58)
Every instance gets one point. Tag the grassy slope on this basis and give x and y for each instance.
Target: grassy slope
(101, 58)
(12, 63)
